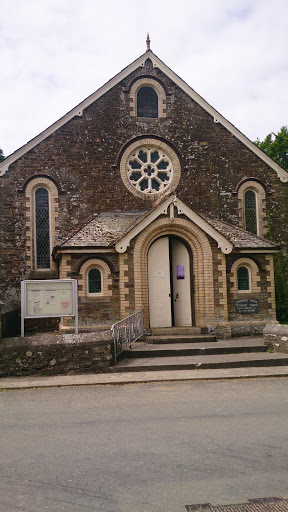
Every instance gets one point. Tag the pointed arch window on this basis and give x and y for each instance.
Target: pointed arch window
(147, 102)
(250, 211)
(42, 228)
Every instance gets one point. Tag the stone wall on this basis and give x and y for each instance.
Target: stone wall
(276, 337)
(56, 354)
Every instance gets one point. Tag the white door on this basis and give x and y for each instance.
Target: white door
(181, 284)
(159, 284)
(169, 270)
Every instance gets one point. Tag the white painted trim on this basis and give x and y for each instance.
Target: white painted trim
(225, 246)
(78, 111)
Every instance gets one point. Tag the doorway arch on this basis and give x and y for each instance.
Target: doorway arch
(198, 245)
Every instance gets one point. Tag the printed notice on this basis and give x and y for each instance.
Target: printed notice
(50, 296)
(159, 273)
(65, 306)
(37, 308)
(35, 295)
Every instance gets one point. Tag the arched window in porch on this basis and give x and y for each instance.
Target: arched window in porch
(94, 281)
(243, 279)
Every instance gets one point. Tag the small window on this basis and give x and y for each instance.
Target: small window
(243, 281)
(147, 102)
(42, 226)
(250, 208)
(94, 281)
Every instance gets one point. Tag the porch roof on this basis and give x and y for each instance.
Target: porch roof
(108, 228)
(102, 230)
(240, 238)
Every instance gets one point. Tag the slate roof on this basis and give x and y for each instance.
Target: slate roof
(103, 229)
(106, 228)
(240, 238)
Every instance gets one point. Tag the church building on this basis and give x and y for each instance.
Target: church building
(150, 198)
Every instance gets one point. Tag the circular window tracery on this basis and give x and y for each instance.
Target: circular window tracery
(149, 170)
(149, 167)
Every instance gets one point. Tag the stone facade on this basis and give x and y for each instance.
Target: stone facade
(81, 161)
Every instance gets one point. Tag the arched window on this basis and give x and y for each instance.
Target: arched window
(243, 279)
(42, 228)
(250, 212)
(94, 281)
(147, 102)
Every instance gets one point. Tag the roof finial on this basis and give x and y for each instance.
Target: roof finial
(148, 42)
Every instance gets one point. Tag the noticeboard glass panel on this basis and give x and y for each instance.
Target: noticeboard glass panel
(49, 298)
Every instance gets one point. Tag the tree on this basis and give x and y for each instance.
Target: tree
(276, 146)
(1, 155)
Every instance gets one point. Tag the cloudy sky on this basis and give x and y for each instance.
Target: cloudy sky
(55, 53)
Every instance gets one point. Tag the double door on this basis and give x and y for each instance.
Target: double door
(169, 283)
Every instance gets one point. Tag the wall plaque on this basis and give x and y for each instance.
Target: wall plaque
(247, 306)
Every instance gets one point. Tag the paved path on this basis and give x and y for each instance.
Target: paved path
(138, 377)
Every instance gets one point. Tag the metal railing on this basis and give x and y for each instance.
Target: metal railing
(126, 331)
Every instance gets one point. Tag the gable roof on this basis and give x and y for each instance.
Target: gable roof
(140, 62)
(117, 229)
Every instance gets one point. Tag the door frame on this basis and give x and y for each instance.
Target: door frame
(172, 237)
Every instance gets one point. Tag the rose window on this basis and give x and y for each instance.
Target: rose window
(149, 170)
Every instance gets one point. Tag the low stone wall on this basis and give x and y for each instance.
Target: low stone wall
(276, 337)
(247, 328)
(56, 354)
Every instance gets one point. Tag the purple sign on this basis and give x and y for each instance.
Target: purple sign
(180, 272)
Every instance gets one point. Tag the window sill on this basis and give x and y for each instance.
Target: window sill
(93, 300)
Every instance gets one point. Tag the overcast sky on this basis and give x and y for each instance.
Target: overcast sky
(55, 53)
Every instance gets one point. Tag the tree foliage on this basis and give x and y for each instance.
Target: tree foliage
(1, 155)
(276, 146)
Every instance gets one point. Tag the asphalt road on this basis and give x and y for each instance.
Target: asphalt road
(143, 447)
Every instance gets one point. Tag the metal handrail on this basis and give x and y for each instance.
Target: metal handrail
(127, 331)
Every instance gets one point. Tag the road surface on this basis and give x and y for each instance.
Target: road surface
(143, 447)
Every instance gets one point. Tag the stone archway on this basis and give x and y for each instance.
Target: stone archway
(199, 246)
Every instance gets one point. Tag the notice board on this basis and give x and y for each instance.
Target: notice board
(49, 298)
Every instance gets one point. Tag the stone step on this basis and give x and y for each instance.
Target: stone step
(180, 338)
(170, 331)
(187, 349)
(201, 362)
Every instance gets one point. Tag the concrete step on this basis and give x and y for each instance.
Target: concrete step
(149, 350)
(180, 338)
(201, 362)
